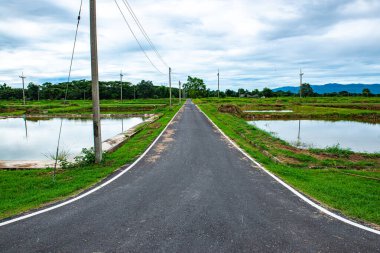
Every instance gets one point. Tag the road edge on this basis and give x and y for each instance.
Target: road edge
(96, 188)
(290, 188)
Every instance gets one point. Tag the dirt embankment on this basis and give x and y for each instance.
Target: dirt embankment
(232, 109)
(237, 111)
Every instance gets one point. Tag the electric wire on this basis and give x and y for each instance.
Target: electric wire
(138, 42)
(137, 21)
(67, 88)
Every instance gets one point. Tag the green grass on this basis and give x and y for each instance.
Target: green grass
(138, 106)
(24, 190)
(355, 196)
(333, 108)
(335, 150)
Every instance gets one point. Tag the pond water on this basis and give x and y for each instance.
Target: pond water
(35, 139)
(282, 111)
(357, 136)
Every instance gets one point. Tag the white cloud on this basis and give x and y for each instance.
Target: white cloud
(255, 43)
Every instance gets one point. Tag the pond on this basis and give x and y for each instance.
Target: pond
(37, 139)
(357, 136)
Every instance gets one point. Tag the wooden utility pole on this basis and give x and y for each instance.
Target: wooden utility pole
(170, 86)
(301, 74)
(95, 84)
(121, 86)
(179, 91)
(218, 84)
(23, 87)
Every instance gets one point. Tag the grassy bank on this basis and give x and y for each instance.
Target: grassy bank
(25, 190)
(16, 108)
(340, 179)
(332, 108)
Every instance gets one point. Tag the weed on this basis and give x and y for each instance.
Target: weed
(336, 150)
(62, 158)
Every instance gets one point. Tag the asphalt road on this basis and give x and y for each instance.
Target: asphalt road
(193, 192)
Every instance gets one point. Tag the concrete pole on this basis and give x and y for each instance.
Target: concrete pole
(218, 84)
(121, 86)
(179, 91)
(95, 84)
(23, 87)
(170, 86)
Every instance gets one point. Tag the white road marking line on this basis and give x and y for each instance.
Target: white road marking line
(320, 208)
(94, 189)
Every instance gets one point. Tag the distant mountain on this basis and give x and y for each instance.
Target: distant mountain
(336, 87)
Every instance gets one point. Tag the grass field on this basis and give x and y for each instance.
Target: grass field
(346, 181)
(24, 190)
(138, 106)
(339, 179)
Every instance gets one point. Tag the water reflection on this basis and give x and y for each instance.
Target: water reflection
(23, 139)
(358, 136)
(26, 127)
(299, 133)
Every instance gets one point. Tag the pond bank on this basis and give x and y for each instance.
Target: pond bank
(109, 145)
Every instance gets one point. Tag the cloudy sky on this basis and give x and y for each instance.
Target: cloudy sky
(254, 43)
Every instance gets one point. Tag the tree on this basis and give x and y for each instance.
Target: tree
(255, 92)
(7, 92)
(32, 91)
(267, 93)
(241, 92)
(145, 89)
(195, 87)
(306, 90)
(231, 93)
(366, 92)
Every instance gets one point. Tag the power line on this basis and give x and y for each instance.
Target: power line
(67, 87)
(143, 31)
(138, 42)
(72, 54)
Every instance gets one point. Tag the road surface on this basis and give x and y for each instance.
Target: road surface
(192, 192)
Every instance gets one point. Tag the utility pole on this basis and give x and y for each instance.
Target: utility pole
(301, 74)
(23, 87)
(218, 84)
(179, 91)
(38, 93)
(121, 86)
(134, 92)
(170, 86)
(95, 84)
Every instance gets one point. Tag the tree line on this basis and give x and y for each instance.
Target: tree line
(193, 88)
(82, 90)
(306, 91)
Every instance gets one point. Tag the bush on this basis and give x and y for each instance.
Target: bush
(87, 157)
